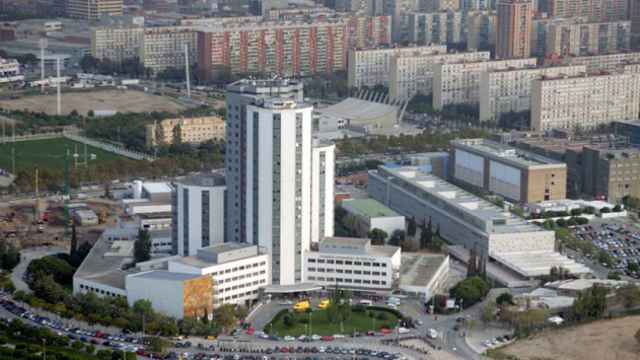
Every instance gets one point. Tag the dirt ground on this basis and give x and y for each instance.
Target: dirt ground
(602, 340)
(82, 102)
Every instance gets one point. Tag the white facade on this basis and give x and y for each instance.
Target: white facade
(165, 291)
(584, 101)
(278, 176)
(410, 75)
(609, 62)
(370, 67)
(353, 263)
(322, 195)
(10, 71)
(198, 218)
(459, 83)
(504, 91)
(443, 27)
(237, 278)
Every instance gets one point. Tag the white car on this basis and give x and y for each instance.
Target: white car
(315, 337)
(403, 330)
(289, 338)
(301, 338)
(338, 336)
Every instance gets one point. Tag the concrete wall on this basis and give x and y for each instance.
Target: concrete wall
(166, 296)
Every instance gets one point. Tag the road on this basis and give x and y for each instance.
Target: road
(26, 256)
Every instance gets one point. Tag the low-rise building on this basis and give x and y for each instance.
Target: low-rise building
(424, 275)
(512, 173)
(606, 168)
(571, 102)
(459, 83)
(370, 67)
(371, 214)
(238, 271)
(185, 130)
(353, 263)
(173, 294)
(413, 74)
(10, 71)
(509, 90)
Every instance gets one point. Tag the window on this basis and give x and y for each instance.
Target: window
(312, 260)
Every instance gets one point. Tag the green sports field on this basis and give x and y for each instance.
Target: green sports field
(48, 154)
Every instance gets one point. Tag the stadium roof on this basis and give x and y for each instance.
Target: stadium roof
(358, 109)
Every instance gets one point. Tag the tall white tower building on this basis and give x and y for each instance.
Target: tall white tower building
(278, 191)
(322, 190)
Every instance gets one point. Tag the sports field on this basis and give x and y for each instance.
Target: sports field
(48, 154)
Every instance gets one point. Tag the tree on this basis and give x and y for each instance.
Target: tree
(470, 290)
(629, 295)
(377, 236)
(489, 312)
(142, 246)
(411, 227)
(397, 238)
(633, 267)
(589, 305)
(157, 344)
(74, 239)
(504, 299)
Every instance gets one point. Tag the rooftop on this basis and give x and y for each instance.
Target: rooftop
(505, 153)
(203, 180)
(369, 208)
(538, 263)
(356, 109)
(418, 269)
(165, 276)
(157, 187)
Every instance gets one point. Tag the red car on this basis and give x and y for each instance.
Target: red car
(250, 331)
(327, 338)
(385, 331)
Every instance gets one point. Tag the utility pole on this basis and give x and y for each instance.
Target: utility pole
(43, 44)
(13, 159)
(66, 192)
(59, 99)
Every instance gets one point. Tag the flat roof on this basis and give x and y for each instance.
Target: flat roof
(203, 180)
(165, 275)
(418, 269)
(538, 263)
(225, 247)
(506, 153)
(502, 221)
(370, 208)
(156, 187)
(345, 241)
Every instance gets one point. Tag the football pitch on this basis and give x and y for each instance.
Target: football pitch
(49, 154)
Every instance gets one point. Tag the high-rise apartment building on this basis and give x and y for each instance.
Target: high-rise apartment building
(480, 29)
(514, 29)
(163, 47)
(444, 27)
(94, 9)
(584, 102)
(198, 214)
(565, 37)
(413, 74)
(595, 10)
(371, 67)
(398, 10)
(116, 43)
(611, 62)
(459, 83)
(509, 90)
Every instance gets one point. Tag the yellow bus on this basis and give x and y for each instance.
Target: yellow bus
(324, 304)
(302, 305)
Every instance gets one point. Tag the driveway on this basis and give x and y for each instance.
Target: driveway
(26, 256)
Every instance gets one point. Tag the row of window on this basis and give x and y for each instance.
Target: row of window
(348, 281)
(99, 291)
(343, 271)
(239, 296)
(235, 287)
(235, 278)
(346, 262)
(240, 268)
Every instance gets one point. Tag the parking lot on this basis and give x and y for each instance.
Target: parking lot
(619, 239)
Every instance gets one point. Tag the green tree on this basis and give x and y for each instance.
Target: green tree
(470, 290)
(589, 305)
(397, 238)
(377, 236)
(504, 299)
(142, 246)
(411, 227)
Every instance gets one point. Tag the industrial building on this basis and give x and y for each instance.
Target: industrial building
(198, 213)
(512, 173)
(606, 168)
(353, 263)
(185, 131)
(469, 221)
(371, 214)
(571, 102)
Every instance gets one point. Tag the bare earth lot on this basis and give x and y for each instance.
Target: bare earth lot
(82, 102)
(602, 340)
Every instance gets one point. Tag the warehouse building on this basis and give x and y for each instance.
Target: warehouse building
(371, 214)
(469, 221)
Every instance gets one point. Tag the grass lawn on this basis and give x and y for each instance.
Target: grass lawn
(320, 324)
(48, 154)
